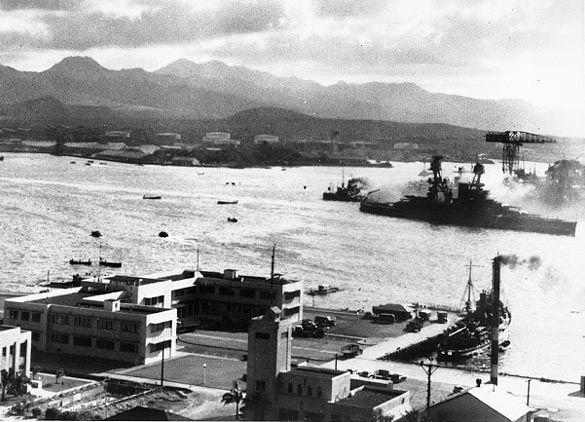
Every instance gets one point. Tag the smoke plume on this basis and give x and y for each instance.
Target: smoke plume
(512, 261)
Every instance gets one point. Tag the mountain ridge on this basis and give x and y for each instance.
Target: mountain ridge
(215, 90)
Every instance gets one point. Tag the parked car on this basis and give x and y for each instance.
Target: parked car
(351, 350)
(381, 374)
(364, 374)
(308, 324)
(300, 331)
(324, 321)
(397, 378)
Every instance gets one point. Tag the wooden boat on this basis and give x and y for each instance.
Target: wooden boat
(163, 234)
(79, 262)
(322, 290)
(96, 233)
(232, 219)
(105, 263)
(151, 197)
(227, 202)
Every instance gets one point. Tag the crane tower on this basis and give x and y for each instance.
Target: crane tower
(512, 140)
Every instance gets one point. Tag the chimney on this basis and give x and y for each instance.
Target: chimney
(495, 323)
(230, 274)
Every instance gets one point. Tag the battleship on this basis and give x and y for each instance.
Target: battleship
(467, 205)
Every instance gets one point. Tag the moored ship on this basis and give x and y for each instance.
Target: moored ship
(468, 205)
(473, 334)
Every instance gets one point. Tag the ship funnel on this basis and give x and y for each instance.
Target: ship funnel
(495, 321)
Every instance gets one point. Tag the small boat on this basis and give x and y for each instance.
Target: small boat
(105, 263)
(79, 262)
(96, 233)
(88, 164)
(1, 158)
(72, 162)
(163, 234)
(232, 219)
(201, 173)
(322, 290)
(151, 197)
(227, 202)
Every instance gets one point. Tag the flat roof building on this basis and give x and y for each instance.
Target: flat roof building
(81, 322)
(15, 346)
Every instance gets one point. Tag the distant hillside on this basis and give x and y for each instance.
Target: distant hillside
(187, 90)
(400, 102)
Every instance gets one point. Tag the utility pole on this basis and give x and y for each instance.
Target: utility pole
(162, 368)
(528, 393)
(429, 369)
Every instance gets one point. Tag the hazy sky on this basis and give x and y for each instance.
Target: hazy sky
(529, 49)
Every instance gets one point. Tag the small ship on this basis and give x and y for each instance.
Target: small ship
(349, 193)
(468, 205)
(473, 334)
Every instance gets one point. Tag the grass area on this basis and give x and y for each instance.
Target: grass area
(219, 373)
(65, 383)
(73, 364)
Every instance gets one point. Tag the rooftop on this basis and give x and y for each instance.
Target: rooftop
(369, 398)
(278, 278)
(317, 371)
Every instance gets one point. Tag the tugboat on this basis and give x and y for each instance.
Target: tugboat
(473, 335)
(349, 193)
(468, 205)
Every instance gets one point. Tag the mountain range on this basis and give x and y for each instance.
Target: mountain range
(213, 90)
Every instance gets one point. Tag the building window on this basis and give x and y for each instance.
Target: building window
(247, 293)
(36, 317)
(154, 301)
(82, 322)
(129, 327)
(290, 388)
(13, 314)
(292, 295)
(284, 334)
(266, 295)
(60, 319)
(60, 338)
(226, 291)
(263, 336)
(154, 328)
(105, 324)
(35, 336)
(319, 392)
(260, 385)
(101, 343)
(82, 341)
(23, 347)
(207, 289)
(300, 390)
(4, 351)
(128, 347)
(25, 315)
(309, 391)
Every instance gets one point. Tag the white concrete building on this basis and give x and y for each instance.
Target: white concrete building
(15, 346)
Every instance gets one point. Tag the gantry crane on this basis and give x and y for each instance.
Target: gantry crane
(512, 140)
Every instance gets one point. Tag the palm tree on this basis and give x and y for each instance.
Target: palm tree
(235, 395)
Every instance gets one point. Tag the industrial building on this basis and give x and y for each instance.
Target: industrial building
(219, 138)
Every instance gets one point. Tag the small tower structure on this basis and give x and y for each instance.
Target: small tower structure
(269, 353)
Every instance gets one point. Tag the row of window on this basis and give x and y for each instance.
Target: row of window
(154, 328)
(309, 390)
(183, 292)
(24, 315)
(10, 350)
(101, 323)
(155, 347)
(154, 301)
(242, 292)
(100, 343)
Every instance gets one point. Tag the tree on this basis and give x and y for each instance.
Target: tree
(235, 395)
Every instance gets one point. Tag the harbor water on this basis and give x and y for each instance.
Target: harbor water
(51, 205)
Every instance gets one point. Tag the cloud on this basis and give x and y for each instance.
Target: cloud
(509, 47)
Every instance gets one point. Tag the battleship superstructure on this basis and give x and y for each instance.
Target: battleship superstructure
(468, 205)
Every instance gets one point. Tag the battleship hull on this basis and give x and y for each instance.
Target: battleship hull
(486, 214)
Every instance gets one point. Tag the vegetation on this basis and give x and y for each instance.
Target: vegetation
(235, 395)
